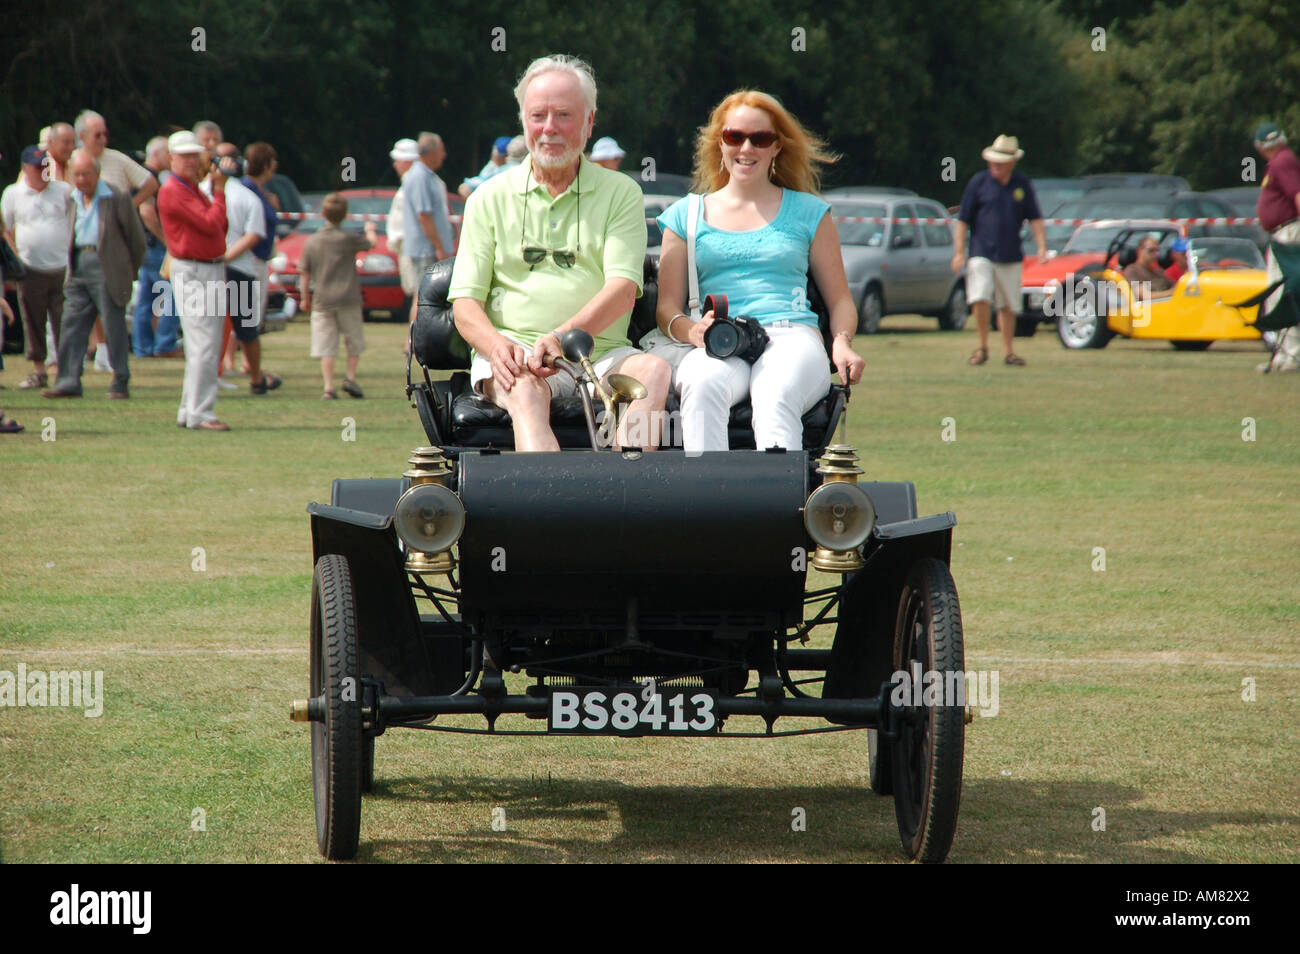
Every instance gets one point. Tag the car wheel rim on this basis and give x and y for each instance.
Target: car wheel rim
(915, 735)
(1079, 325)
(872, 311)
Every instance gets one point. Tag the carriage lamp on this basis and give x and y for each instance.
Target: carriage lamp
(429, 518)
(427, 466)
(839, 515)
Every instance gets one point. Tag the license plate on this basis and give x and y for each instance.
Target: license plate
(646, 711)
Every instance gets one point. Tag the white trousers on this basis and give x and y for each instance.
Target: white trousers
(783, 385)
(1288, 350)
(197, 294)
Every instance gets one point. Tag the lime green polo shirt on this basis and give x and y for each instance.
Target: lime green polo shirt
(513, 210)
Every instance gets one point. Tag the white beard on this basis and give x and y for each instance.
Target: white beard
(562, 161)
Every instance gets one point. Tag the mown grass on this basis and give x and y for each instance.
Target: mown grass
(1119, 690)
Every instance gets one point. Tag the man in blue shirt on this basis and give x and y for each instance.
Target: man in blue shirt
(993, 207)
(426, 227)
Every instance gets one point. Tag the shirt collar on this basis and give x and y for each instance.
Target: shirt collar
(521, 176)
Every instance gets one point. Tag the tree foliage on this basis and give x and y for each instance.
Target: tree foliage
(896, 89)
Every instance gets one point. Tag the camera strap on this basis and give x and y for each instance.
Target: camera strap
(718, 305)
(694, 211)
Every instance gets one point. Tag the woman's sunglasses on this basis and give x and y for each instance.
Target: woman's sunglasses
(761, 139)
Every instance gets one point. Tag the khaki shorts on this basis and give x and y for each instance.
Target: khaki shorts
(998, 282)
(562, 385)
(409, 277)
(326, 326)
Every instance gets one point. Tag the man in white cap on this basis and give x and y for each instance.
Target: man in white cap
(404, 153)
(993, 207)
(606, 152)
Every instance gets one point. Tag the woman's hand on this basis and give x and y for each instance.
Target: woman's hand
(847, 362)
(696, 335)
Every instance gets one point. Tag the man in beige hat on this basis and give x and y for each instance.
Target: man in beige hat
(993, 207)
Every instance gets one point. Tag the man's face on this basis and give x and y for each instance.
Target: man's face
(95, 137)
(84, 174)
(209, 138)
(1001, 171)
(1148, 251)
(401, 166)
(438, 157)
(62, 144)
(186, 165)
(33, 176)
(556, 122)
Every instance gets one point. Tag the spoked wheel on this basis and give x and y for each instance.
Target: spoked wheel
(927, 757)
(337, 749)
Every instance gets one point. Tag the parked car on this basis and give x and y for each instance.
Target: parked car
(1203, 306)
(381, 286)
(1145, 204)
(1244, 203)
(899, 268)
(655, 205)
(857, 192)
(1051, 193)
(1137, 180)
(664, 183)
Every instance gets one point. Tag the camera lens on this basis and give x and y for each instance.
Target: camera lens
(721, 340)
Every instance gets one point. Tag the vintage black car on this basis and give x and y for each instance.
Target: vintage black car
(626, 592)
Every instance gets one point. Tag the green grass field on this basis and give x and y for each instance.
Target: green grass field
(1120, 689)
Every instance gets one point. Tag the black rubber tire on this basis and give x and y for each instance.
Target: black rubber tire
(880, 764)
(368, 764)
(1077, 332)
(955, 311)
(1191, 345)
(870, 311)
(1026, 327)
(927, 758)
(336, 743)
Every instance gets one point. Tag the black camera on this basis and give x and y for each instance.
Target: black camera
(740, 337)
(232, 166)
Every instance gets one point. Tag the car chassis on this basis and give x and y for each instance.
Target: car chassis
(643, 594)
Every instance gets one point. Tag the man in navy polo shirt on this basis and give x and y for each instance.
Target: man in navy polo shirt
(993, 207)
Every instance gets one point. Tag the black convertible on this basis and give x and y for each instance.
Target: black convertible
(624, 592)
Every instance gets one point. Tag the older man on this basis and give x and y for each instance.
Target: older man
(495, 164)
(38, 216)
(403, 154)
(107, 250)
(63, 140)
(993, 206)
(554, 244)
(1279, 214)
(118, 170)
(426, 225)
(195, 227)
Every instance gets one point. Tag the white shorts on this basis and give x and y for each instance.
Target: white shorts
(480, 369)
(998, 282)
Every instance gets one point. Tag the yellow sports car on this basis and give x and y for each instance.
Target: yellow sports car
(1200, 309)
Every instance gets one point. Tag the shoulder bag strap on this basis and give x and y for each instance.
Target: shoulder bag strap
(694, 210)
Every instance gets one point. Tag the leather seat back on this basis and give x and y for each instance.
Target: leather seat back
(434, 339)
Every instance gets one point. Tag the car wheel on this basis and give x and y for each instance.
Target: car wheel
(336, 741)
(1026, 327)
(872, 310)
(953, 316)
(1080, 325)
(1191, 345)
(927, 756)
(879, 764)
(368, 764)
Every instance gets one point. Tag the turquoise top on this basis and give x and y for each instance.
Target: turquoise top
(763, 272)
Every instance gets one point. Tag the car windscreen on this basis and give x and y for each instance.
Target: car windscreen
(366, 205)
(870, 234)
(1227, 253)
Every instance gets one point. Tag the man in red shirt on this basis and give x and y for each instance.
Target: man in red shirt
(195, 229)
(1279, 215)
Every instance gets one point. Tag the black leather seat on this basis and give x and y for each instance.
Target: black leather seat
(453, 415)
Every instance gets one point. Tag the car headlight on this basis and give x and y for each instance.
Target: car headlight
(429, 518)
(839, 516)
(376, 262)
(279, 262)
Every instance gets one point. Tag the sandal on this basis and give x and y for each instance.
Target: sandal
(351, 387)
(269, 383)
(8, 425)
(37, 379)
(1016, 360)
(978, 356)
(330, 396)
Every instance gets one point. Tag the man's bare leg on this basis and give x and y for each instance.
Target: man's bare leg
(529, 404)
(980, 309)
(1007, 328)
(641, 423)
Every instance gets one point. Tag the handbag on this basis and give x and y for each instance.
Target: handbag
(11, 266)
(655, 341)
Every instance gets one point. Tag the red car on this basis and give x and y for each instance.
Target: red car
(381, 286)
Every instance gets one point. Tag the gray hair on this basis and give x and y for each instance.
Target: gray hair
(58, 129)
(157, 145)
(84, 117)
(559, 63)
(517, 149)
(427, 142)
(206, 125)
